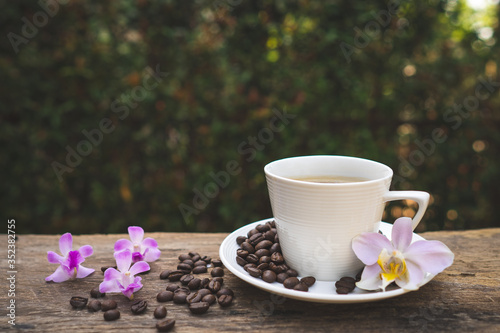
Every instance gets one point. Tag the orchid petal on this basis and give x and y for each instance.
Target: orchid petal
(137, 256)
(54, 258)
(65, 243)
(402, 233)
(431, 256)
(415, 277)
(82, 272)
(136, 234)
(370, 279)
(368, 246)
(73, 260)
(123, 244)
(86, 251)
(152, 254)
(123, 260)
(149, 242)
(139, 267)
(59, 275)
(111, 274)
(110, 286)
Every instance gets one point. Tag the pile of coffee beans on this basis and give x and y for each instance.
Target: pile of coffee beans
(260, 255)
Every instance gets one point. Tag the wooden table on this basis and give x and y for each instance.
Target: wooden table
(465, 297)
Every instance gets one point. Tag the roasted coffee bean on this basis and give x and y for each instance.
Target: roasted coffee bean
(240, 239)
(225, 300)
(262, 252)
(252, 258)
(175, 275)
(95, 293)
(206, 259)
(210, 299)
(188, 262)
(184, 290)
(345, 284)
(180, 298)
(276, 247)
(225, 291)
(248, 247)
(199, 307)
(255, 272)
(203, 292)
(252, 232)
(265, 259)
(165, 296)
(199, 269)
(185, 268)
(78, 302)
(256, 239)
(164, 275)
(240, 261)
(269, 276)
(94, 305)
(112, 314)
(193, 298)
(241, 253)
(165, 325)
(139, 306)
(160, 312)
(269, 235)
(281, 277)
(104, 268)
(217, 263)
(196, 257)
(204, 283)
(247, 266)
(186, 279)
(263, 227)
(308, 280)
(301, 286)
(214, 286)
(217, 271)
(183, 257)
(358, 276)
(292, 273)
(194, 284)
(172, 287)
(263, 266)
(348, 279)
(277, 258)
(273, 223)
(276, 239)
(193, 253)
(264, 244)
(219, 279)
(200, 263)
(290, 282)
(108, 304)
(343, 291)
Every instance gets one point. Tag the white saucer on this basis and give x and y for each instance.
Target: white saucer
(321, 291)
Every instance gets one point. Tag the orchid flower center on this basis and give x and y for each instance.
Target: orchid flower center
(137, 248)
(127, 279)
(393, 266)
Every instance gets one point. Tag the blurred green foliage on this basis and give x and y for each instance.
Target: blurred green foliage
(382, 80)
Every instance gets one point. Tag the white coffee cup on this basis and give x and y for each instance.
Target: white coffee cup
(317, 221)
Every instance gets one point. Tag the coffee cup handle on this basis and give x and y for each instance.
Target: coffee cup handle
(422, 199)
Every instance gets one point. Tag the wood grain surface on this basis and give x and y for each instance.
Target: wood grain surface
(464, 298)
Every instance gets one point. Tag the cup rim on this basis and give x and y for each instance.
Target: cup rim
(302, 182)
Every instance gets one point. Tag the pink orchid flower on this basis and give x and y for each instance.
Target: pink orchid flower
(141, 249)
(399, 260)
(123, 280)
(70, 261)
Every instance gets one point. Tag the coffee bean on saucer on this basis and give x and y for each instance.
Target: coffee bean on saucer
(112, 314)
(240, 239)
(301, 286)
(276, 247)
(255, 272)
(94, 305)
(252, 232)
(263, 267)
(308, 280)
(292, 273)
(217, 272)
(290, 282)
(281, 277)
(165, 325)
(263, 227)
(343, 291)
(78, 302)
(139, 306)
(160, 312)
(95, 293)
(217, 263)
(277, 258)
(263, 245)
(358, 276)
(108, 304)
(199, 307)
(165, 296)
(225, 300)
(251, 258)
(240, 261)
(247, 247)
(269, 276)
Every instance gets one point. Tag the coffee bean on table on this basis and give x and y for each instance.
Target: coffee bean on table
(225, 300)
(95, 293)
(180, 298)
(183, 257)
(206, 259)
(186, 279)
(204, 291)
(199, 269)
(193, 298)
(78, 302)
(199, 307)
(165, 325)
(175, 275)
(165, 296)
(217, 263)
(160, 312)
(269, 276)
(194, 284)
(217, 272)
(200, 263)
(172, 287)
(139, 306)
(210, 299)
(290, 282)
(164, 275)
(188, 262)
(94, 305)
(204, 283)
(185, 268)
(184, 290)
(308, 280)
(112, 314)
(108, 304)
(196, 257)
(214, 286)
